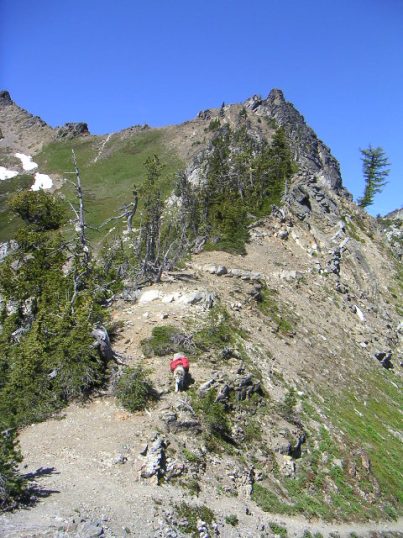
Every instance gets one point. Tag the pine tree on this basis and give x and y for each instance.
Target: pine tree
(375, 171)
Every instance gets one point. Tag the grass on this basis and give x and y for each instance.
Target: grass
(269, 502)
(271, 308)
(191, 513)
(323, 486)
(108, 183)
(278, 529)
(397, 289)
(370, 421)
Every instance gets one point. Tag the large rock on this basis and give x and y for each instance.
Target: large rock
(5, 98)
(72, 130)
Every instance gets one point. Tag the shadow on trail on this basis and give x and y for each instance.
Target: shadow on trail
(35, 492)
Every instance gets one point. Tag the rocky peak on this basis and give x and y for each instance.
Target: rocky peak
(310, 153)
(276, 96)
(5, 98)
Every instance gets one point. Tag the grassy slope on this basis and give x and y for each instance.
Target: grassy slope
(107, 183)
(370, 416)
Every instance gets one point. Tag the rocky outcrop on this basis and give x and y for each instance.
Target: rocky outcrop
(392, 227)
(5, 98)
(308, 151)
(72, 130)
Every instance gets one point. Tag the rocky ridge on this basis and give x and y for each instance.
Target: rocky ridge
(314, 340)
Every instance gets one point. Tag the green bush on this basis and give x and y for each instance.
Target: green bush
(214, 124)
(161, 341)
(42, 210)
(232, 520)
(271, 307)
(134, 390)
(213, 415)
(218, 332)
(279, 530)
(289, 403)
(11, 482)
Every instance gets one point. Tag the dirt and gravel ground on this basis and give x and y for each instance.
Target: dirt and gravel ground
(76, 459)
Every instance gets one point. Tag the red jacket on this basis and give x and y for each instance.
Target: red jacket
(182, 361)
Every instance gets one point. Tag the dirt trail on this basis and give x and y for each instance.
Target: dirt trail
(74, 460)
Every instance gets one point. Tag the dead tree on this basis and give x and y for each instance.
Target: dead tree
(80, 212)
(81, 269)
(128, 213)
(104, 346)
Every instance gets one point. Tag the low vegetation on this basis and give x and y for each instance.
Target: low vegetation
(213, 415)
(134, 390)
(11, 482)
(192, 513)
(278, 313)
(232, 520)
(373, 420)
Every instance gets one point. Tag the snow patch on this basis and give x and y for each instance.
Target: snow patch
(26, 161)
(7, 174)
(42, 181)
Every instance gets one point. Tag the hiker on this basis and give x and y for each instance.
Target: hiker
(179, 367)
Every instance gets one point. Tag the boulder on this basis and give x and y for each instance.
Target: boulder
(384, 357)
(149, 296)
(155, 459)
(72, 130)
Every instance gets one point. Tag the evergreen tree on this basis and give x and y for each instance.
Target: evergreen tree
(375, 170)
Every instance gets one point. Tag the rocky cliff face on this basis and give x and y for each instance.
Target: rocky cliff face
(310, 153)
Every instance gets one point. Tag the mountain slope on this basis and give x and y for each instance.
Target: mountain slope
(113, 163)
(295, 348)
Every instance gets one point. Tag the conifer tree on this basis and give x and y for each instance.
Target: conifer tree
(375, 170)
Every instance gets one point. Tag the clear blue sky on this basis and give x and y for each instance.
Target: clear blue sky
(118, 63)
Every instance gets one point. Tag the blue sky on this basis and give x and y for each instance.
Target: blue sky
(116, 64)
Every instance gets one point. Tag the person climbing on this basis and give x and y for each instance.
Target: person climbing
(179, 366)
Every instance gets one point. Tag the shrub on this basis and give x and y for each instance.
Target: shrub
(192, 514)
(214, 124)
(213, 414)
(191, 456)
(278, 529)
(39, 209)
(11, 483)
(161, 341)
(290, 401)
(134, 390)
(232, 520)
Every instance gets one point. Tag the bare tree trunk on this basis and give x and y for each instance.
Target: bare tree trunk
(103, 343)
(132, 212)
(81, 217)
